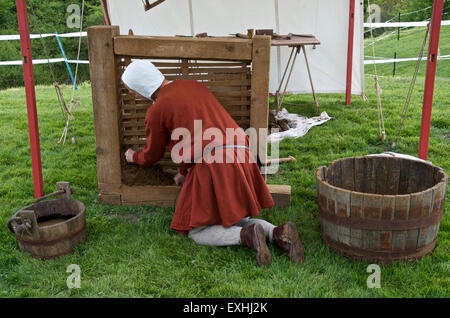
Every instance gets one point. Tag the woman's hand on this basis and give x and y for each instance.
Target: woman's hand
(129, 155)
(179, 179)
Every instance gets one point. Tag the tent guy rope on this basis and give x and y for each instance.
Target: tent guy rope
(73, 103)
(411, 89)
(378, 92)
(66, 111)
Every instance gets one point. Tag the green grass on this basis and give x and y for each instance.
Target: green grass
(123, 257)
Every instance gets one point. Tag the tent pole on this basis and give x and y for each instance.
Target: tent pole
(433, 46)
(105, 13)
(351, 31)
(28, 76)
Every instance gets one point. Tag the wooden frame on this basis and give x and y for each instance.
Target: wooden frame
(108, 51)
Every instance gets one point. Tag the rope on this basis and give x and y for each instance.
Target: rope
(36, 24)
(411, 88)
(411, 12)
(382, 38)
(378, 91)
(62, 104)
(73, 103)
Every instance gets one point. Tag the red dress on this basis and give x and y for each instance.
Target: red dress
(213, 193)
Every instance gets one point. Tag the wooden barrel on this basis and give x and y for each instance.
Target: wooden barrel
(52, 228)
(379, 208)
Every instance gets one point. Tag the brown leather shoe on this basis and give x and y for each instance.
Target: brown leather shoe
(286, 237)
(253, 236)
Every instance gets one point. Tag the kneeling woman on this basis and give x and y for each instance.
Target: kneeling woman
(218, 198)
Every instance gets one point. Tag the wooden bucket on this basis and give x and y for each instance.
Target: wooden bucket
(379, 208)
(50, 229)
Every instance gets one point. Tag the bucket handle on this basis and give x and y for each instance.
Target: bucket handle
(64, 188)
(72, 191)
(23, 224)
(13, 219)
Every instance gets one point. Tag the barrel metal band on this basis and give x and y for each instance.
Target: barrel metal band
(51, 242)
(53, 256)
(382, 225)
(353, 251)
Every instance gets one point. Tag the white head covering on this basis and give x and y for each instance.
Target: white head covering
(143, 77)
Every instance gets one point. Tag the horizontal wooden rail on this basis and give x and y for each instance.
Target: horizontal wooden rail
(192, 48)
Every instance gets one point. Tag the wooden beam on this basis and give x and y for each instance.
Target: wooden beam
(104, 83)
(167, 195)
(136, 195)
(150, 195)
(259, 109)
(281, 195)
(182, 47)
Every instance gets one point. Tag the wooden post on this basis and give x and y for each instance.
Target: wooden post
(430, 77)
(259, 110)
(104, 82)
(351, 30)
(28, 76)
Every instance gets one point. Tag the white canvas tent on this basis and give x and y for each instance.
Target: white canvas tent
(328, 20)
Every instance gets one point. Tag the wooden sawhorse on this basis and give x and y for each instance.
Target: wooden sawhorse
(297, 43)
